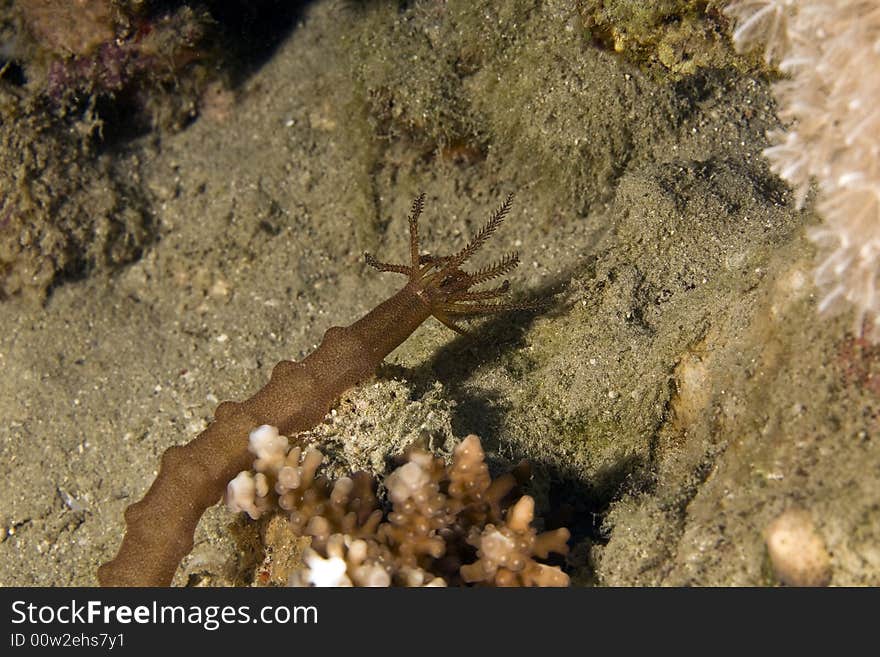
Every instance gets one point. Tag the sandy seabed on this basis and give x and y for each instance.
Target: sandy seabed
(676, 396)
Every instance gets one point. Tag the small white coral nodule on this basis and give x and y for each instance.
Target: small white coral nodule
(797, 551)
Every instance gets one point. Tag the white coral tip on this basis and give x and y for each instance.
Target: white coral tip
(240, 494)
(406, 481)
(326, 572)
(264, 441)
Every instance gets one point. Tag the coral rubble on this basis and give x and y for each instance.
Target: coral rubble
(75, 49)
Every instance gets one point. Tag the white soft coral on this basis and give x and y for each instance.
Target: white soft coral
(831, 101)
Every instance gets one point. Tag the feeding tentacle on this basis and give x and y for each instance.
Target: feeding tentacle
(387, 266)
(441, 282)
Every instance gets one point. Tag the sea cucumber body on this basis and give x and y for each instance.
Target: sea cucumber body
(192, 477)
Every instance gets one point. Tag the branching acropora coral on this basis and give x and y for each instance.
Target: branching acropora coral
(193, 477)
(830, 50)
(447, 525)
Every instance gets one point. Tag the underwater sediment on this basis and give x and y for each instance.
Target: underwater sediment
(677, 396)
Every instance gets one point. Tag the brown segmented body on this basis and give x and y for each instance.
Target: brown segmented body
(193, 477)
